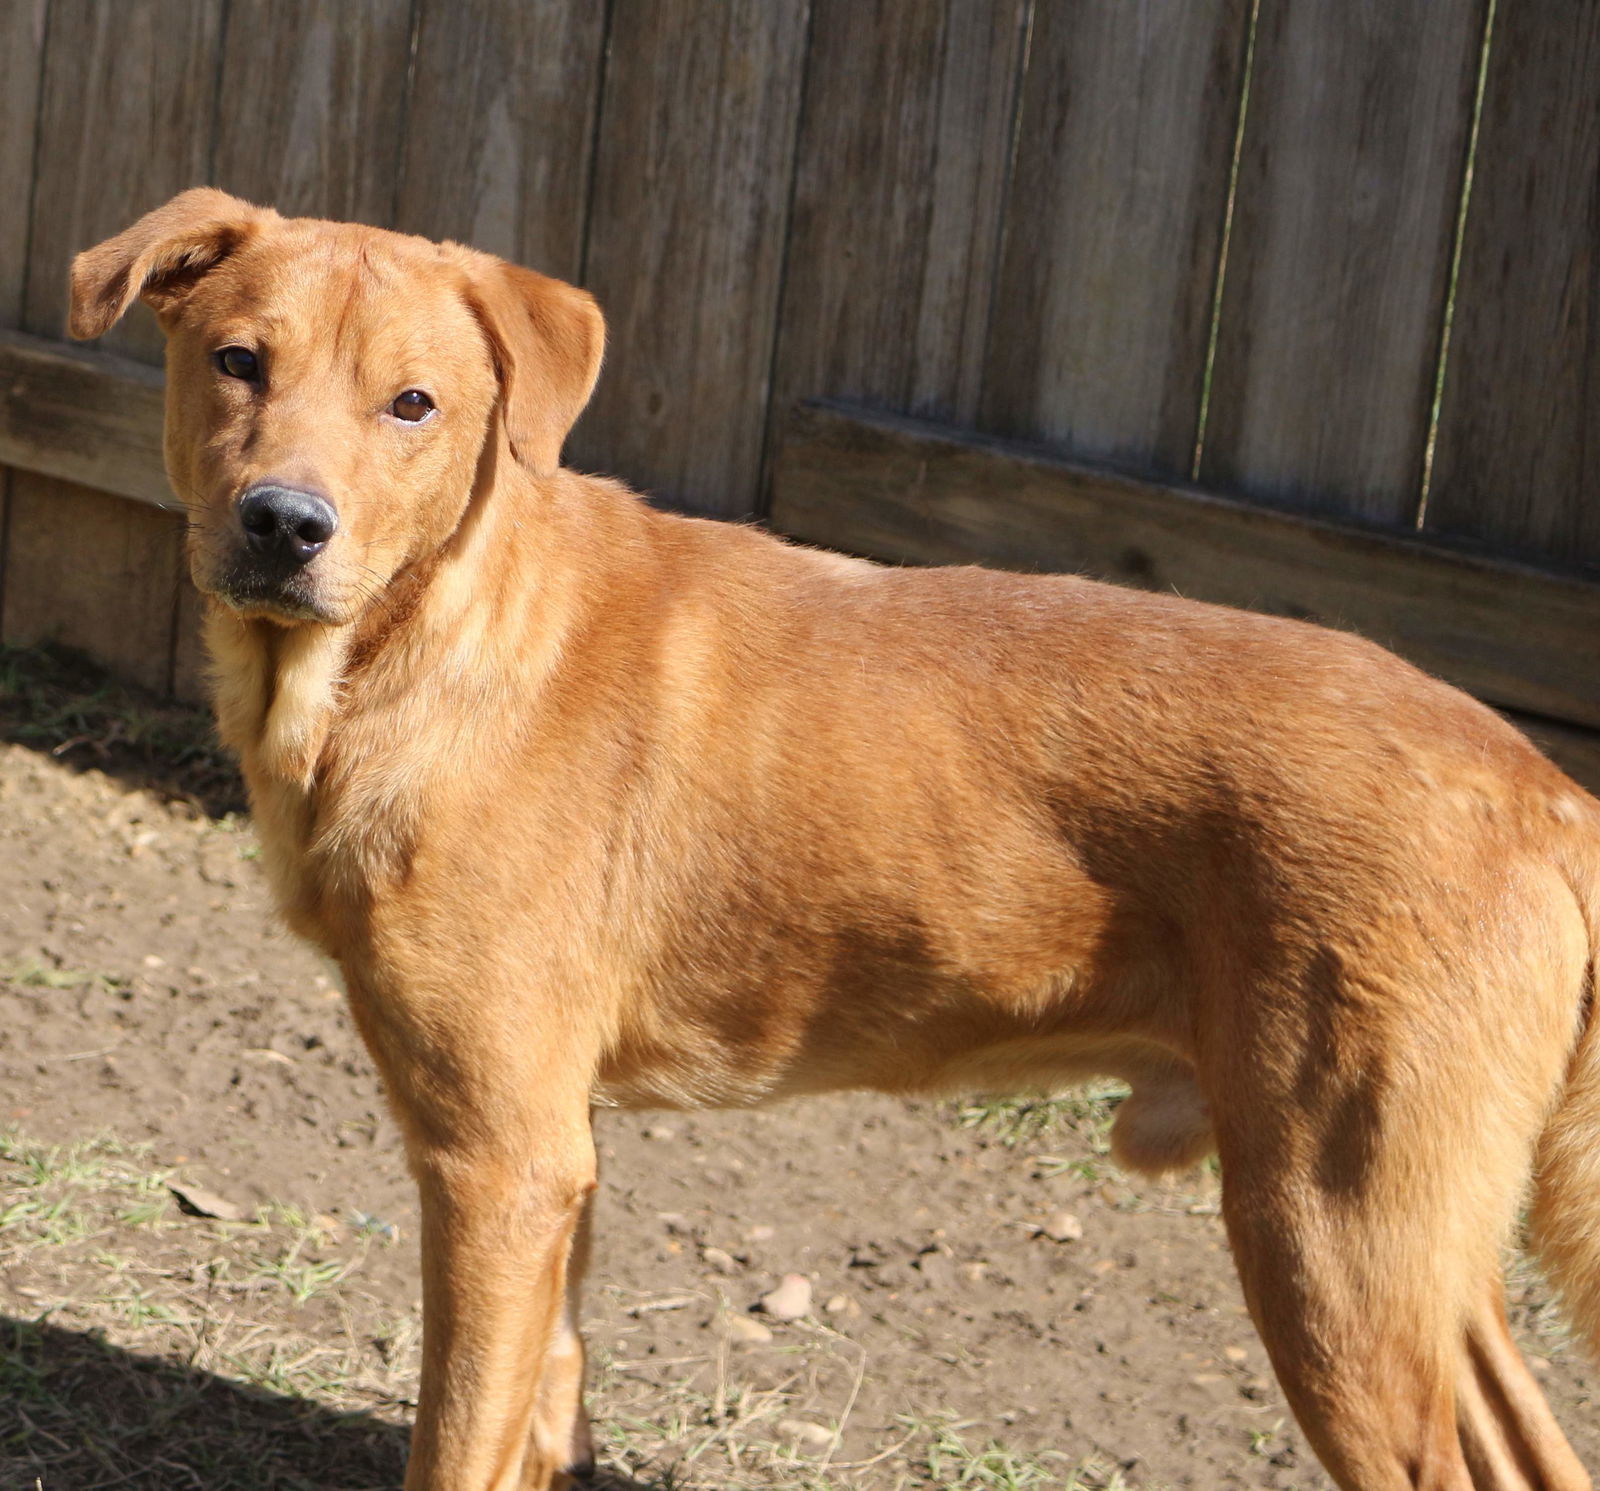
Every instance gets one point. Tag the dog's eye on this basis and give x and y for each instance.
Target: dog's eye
(412, 406)
(239, 362)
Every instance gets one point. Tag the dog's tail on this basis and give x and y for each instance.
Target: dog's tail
(1564, 1221)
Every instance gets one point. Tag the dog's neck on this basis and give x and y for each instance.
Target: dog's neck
(276, 689)
(280, 691)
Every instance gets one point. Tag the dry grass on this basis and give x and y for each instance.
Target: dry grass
(146, 1348)
(142, 1348)
(54, 701)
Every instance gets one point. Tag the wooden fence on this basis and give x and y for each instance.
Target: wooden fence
(1316, 279)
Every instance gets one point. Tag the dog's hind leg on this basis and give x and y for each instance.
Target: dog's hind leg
(1508, 1434)
(1372, 1163)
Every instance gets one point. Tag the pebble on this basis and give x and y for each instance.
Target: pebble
(1236, 1353)
(200, 1202)
(719, 1259)
(660, 1131)
(1063, 1227)
(814, 1436)
(790, 1300)
(761, 1233)
(743, 1328)
(836, 1305)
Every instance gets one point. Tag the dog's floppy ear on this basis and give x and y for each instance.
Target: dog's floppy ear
(547, 338)
(159, 257)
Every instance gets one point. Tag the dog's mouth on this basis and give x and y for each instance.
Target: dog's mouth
(251, 593)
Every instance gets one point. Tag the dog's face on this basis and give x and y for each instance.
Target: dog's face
(335, 394)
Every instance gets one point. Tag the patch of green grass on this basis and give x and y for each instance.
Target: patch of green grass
(952, 1462)
(31, 973)
(1087, 1111)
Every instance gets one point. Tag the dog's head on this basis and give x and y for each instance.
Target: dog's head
(334, 391)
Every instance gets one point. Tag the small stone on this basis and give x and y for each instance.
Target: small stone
(674, 1221)
(761, 1233)
(790, 1300)
(743, 1328)
(719, 1259)
(1257, 1389)
(1236, 1353)
(199, 1202)
(1063, 1227)
(660, 1131)
(154, 960)
(813, 1436)
(837, 1304)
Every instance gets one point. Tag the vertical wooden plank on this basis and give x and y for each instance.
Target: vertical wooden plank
(1113, 229)
(686, 234)
(1518, 456)
(311, 115)
(190, 662)
(22, 26)
(125, 121)
(905, 137)
(312, 119)
(21, 62)
(500, 131)
(1339, 258)
(103, 575)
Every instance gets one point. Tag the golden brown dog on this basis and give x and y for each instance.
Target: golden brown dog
(596, 804)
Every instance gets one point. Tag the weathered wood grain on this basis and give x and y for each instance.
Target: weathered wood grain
(500, 130)
(311, 105)
(21, 61)
(686, 234)
(1518, 456)
(104, 573)
(1113, 228)
(1339, 256)
(126, 111)
(191, 664)
(86, 417)
(896, 489)
(901, 166)
(125, 121)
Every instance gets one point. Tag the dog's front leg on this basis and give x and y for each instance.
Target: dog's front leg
(498, 1220)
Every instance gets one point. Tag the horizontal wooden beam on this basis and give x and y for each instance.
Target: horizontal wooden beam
(901, 490)
(82, 416)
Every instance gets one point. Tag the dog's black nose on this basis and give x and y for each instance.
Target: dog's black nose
(286, 524)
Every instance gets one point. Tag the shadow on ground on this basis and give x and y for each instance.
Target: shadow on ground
(55, 701)
(77, 1414)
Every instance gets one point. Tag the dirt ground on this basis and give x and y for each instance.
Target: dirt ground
(157, 1029)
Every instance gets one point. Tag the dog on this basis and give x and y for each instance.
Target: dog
(596, 804)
